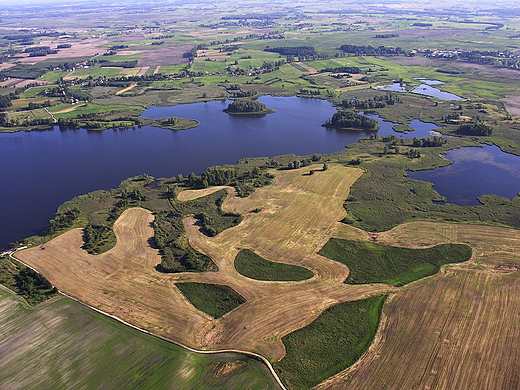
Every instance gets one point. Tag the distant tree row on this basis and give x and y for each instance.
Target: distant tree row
(296, 51)
(343, 69)
(373, 51)
(429, 142)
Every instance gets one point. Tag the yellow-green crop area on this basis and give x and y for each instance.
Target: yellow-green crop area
(73, 347)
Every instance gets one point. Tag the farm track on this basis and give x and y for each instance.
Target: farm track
(299, 213)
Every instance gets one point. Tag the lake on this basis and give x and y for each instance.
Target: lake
(40, 170)
(474, 172)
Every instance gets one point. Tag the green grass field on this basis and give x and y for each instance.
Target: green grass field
(330, 344)
(213, 299)
(249, 264)
(375, 263)
(63, 345)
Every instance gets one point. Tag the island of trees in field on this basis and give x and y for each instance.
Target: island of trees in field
(248, 107)
(351, 120)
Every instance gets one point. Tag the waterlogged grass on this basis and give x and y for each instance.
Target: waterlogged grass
(213, 299)
(249, 264)
(62, 345)
(330, 344)
(375, 263)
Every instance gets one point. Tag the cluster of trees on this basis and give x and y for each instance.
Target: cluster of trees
(62, 221)
(296, 51)
(478, 129)
(306, 162)
(241, 93)
(387, 35)
(369, 50)
(246, 106)
(5, 101)
(97, 237)
(343, 69)
(34, 106)
(351, 120)
(40, 51)
(217, 176)
(375, 102)
(412, 153)
(64, 46)
(67, 93)
(33, 286)
(313, 92)
(428, 142)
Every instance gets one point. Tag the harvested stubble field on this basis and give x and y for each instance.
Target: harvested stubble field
(299, 214)
(463, 319)
(455, 330)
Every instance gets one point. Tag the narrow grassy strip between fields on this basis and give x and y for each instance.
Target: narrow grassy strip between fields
(249, 264)
(375, 263)
(213, 299)
(330, 344)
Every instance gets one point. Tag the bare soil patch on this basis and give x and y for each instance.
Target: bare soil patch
(165, 56)
(512, 103)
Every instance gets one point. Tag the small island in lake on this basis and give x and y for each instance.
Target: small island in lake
(174, 123)
(248, 107)
(351, 120)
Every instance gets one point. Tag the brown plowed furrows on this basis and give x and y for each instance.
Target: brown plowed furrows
(456, 330)
(299, 214)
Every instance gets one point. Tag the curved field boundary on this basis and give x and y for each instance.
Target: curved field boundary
(253, 354)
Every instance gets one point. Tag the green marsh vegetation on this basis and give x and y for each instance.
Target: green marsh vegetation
(370, 262)
(330, 344)
(251, 265)
(213, 299)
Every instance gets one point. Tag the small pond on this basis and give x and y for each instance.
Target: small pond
(474, 172)
(429, 82)
(395, 87)
(428, 90)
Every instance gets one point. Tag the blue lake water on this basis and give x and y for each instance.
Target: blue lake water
(474, 172)
(395, 87)
(429, 82)
(40, 170)
(428, 90)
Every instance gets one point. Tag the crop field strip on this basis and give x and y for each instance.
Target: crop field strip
(73, 347)
(124, 282)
